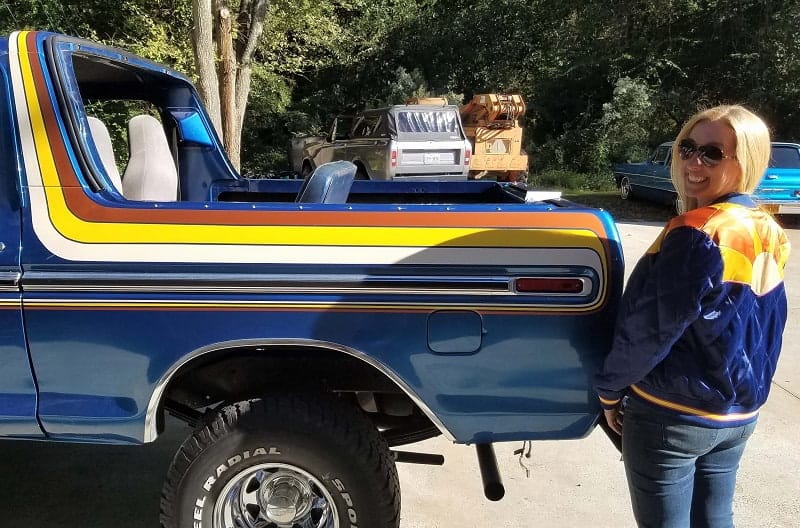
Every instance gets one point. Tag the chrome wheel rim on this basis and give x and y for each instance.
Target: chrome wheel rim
(625, 188)
(275, 496)
(677, 205)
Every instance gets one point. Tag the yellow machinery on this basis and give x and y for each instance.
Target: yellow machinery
(491, 123)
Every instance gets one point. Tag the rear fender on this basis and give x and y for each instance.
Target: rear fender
(155, 405)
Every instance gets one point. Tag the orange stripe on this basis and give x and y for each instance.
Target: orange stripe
(691, 410)
(88, 210)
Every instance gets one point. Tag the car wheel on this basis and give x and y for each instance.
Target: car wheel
(677, 205)
(361, 173)
(625, 190)
(314, 462)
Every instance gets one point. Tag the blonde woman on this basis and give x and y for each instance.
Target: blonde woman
(700, 329)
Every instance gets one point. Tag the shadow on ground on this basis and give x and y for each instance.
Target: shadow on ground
(630, 210)
(85, 486)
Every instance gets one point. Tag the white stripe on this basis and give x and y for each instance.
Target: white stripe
(258, 254)
(252, 254)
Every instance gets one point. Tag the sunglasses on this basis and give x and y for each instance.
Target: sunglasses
(709, 155)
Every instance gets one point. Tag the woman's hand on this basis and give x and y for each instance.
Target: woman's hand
(614, 418)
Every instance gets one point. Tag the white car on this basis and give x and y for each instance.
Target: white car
(400, 142)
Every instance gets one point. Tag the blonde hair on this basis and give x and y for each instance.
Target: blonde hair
(752, 147)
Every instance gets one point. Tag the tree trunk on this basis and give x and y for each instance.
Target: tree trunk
(204, 59)
(231, 130)
(251, 25)
(225, 86)
(245, 48)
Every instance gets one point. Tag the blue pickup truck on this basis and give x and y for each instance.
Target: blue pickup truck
(304, 328)
(778, 192)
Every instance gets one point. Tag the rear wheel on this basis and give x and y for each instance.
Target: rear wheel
(677, 205)
(361, 173)
(283, 462)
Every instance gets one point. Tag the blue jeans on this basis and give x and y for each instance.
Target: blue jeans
(680, 475)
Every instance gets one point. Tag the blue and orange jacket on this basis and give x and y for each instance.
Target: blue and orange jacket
(702, 317)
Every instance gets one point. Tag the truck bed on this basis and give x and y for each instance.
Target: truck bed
(376, 192)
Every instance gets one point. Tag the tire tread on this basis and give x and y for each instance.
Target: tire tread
(340, 421)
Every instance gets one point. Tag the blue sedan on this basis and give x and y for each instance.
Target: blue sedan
(778, 192)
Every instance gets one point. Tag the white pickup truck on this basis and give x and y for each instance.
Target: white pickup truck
(400, 142)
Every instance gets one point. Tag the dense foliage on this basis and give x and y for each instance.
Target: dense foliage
(604, 80)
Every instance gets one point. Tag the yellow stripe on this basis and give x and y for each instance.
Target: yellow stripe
(608, 402)
(691, 410)
(78, 230)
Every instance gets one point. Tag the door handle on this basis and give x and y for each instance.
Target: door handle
(770, 177)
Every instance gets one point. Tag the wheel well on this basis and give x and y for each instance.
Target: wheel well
(361, 170)
(222, 377)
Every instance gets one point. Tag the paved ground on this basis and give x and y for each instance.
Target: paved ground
(572, 483)
(582, 482)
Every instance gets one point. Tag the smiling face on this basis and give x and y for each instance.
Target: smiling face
(706, 184)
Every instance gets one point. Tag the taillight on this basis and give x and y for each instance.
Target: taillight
(467, 156)
(394, 158)
(548, 285)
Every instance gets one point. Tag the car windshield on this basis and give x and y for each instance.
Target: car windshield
(785, 157)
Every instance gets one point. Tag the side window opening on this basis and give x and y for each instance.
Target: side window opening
(785, 157)
(660, 156)
(138, 163)
(367, 126)
(101, 91)
(382, 128)
(344, 125)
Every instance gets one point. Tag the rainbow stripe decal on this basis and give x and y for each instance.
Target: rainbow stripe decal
(72, 225)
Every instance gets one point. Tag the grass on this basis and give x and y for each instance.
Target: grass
(622, 210)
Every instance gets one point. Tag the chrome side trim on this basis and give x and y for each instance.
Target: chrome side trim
(9, 281)
(283, 284)
(151, 429)
(239, 283)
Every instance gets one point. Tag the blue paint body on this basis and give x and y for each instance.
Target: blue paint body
(86, 344)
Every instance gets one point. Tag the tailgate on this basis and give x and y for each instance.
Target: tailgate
(430, 157)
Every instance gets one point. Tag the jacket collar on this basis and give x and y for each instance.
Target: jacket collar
(745, 200)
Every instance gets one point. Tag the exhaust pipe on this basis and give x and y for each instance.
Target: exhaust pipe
(408, 457)
(490, 474)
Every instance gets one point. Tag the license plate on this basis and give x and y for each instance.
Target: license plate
(431, 158)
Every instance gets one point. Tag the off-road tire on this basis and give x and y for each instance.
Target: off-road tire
(323, 437)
